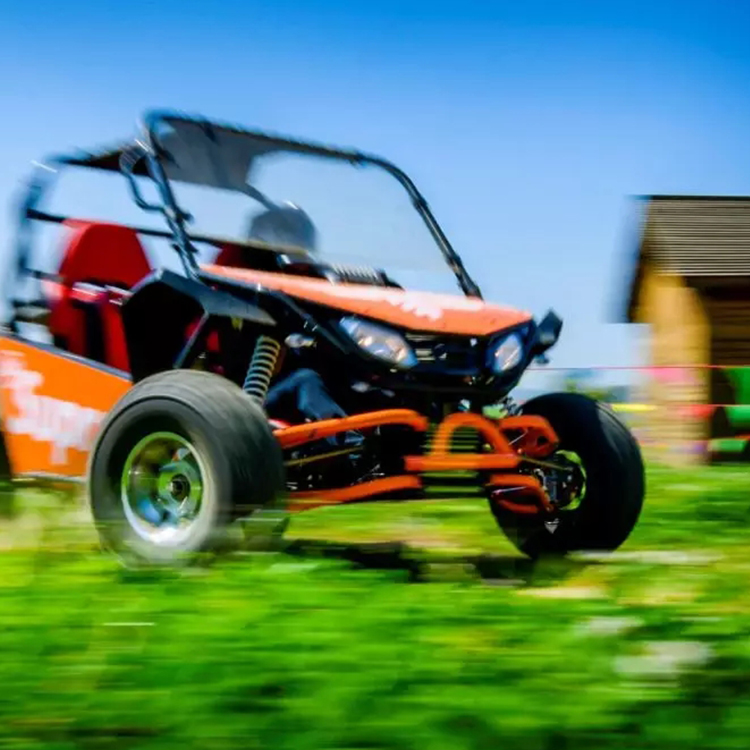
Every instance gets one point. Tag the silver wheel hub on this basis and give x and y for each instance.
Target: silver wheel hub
(162, 488)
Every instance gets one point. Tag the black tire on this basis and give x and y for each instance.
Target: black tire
(239, 461)
(615, 481)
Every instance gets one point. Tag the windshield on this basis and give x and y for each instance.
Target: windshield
(244, 186)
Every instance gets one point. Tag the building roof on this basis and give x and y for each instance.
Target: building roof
(694, 237)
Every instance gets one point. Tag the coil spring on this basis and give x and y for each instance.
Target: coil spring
(261, 368)
(357, 274)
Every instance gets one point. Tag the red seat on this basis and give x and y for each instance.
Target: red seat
(233, 256)
(101, 255)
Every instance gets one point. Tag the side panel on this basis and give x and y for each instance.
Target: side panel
(162, 308)
(51, 405)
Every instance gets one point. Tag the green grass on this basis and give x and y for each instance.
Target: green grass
(386, 626)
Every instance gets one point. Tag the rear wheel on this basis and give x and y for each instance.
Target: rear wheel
(180, 457)
(597, 486)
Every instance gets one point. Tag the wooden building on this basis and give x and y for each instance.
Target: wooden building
(690, 283)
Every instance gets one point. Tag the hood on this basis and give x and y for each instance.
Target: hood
(418, 311)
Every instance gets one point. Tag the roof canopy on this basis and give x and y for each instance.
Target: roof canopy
(700, 238)
(198, 151)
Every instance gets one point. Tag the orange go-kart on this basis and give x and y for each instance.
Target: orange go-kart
(149, 383)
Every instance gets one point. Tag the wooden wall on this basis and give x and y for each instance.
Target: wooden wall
(729, 315)
(679, 335)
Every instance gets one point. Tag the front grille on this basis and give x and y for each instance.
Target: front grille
(449, 353)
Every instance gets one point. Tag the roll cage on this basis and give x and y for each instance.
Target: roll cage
(148, 156)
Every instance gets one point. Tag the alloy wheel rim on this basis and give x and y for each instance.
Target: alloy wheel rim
(163, 490)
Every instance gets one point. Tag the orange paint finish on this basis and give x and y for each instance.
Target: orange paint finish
(290, 437)
(301, 501)
(52, 405)
(527, 510)
(421, 311)
(537, 436)
(441, 459)
(462, 462)
(462, 420)
(525, 485)
(538, 439)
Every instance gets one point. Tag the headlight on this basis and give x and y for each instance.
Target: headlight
(380, 342)
(507, 354)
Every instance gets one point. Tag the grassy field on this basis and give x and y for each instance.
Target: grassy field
(393, 626)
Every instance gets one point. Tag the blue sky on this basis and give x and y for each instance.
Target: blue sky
(528, 126)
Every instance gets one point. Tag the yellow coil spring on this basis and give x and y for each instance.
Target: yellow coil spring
(262, 365)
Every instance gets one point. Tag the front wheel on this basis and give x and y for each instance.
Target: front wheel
(180, 457)
(610, 494)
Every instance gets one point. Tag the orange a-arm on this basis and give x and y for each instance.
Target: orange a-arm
(533, 437)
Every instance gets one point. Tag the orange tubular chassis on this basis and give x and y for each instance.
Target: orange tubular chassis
(52, 402)
(533, 439)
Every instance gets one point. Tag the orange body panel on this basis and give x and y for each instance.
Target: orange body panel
(52, 404)
(421, 311)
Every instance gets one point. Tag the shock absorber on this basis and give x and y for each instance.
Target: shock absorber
(262, 366)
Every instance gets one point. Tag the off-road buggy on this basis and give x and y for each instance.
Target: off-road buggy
(150, 386)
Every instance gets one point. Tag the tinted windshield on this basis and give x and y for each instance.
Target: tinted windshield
(360, 214)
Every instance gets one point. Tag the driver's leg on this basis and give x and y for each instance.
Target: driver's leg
(306, 392)
(313, 397)
(281, 400)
